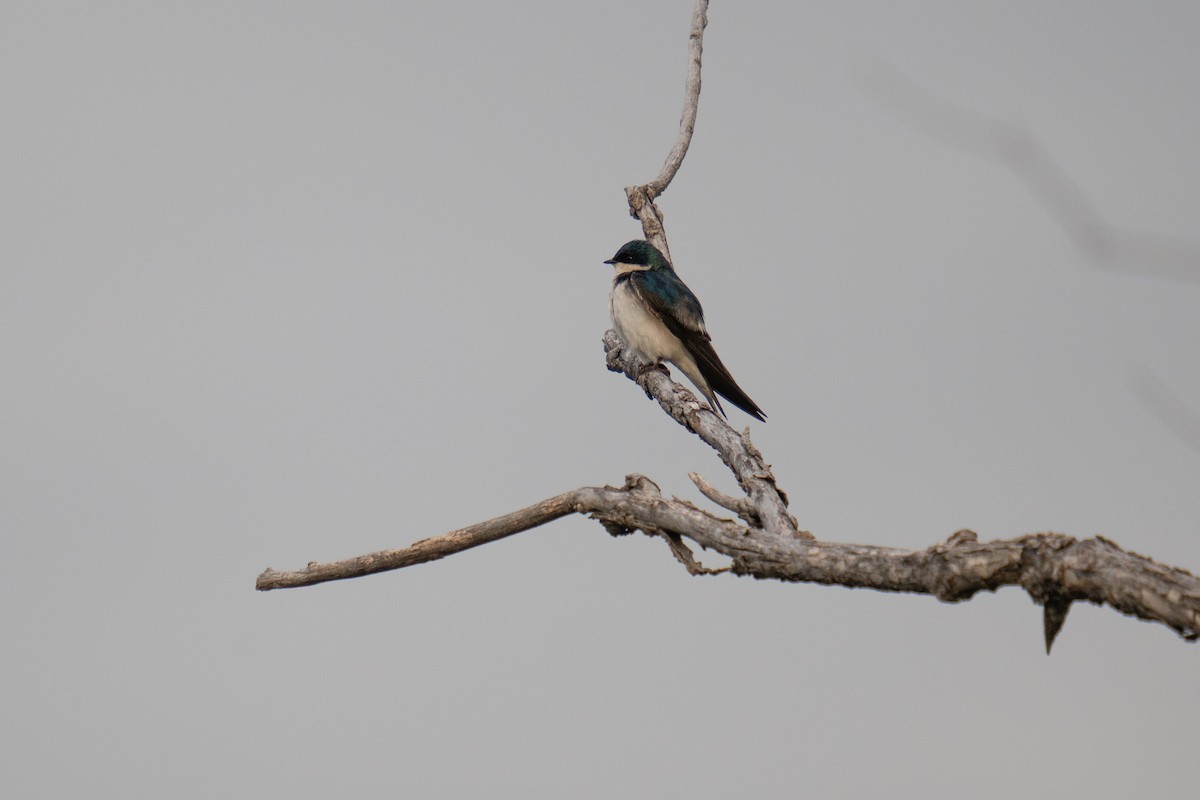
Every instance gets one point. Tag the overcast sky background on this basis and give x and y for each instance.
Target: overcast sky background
(284, 282)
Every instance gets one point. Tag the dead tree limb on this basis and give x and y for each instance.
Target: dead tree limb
(1056, 570)
(767, 504)
(641, 198)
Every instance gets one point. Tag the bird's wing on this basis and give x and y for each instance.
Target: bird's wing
(673, 303)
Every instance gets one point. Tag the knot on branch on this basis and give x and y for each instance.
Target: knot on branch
(1043, 572)
(624, 523)
(962, 538)
(614, 349)
(638, 199)
(640, 484)
(643, 209)
(614, 529)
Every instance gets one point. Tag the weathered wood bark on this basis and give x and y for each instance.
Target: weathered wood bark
(1056, 570)
(641, 198)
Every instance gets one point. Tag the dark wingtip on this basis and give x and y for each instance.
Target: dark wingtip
(743, 401)
(725, 386)
(750, 408)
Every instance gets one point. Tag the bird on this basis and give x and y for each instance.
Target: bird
(656, 315)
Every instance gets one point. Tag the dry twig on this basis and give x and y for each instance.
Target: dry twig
(641, 198)
(1055, 570)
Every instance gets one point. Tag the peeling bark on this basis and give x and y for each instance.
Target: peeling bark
(1054, 569)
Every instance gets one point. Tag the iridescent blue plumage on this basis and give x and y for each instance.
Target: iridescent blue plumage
(658, 317)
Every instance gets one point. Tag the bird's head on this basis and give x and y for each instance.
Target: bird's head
(639, 255)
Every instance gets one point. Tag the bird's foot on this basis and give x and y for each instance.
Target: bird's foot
(650, 368)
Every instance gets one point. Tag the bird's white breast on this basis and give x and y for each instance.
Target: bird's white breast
(641, 329)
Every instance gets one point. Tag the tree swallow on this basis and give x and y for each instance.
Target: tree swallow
(659, 318)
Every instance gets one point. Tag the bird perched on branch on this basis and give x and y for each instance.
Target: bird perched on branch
(659, 318)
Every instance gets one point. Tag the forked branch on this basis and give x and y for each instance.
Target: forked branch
(1055, 570)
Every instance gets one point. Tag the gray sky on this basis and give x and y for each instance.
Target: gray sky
(290, 282)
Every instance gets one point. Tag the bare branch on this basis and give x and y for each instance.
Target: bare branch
(424, 550)
(1054, 569)
(684, 556)
(738, 505)
(753, 474)
(691, 103)
(641, 198)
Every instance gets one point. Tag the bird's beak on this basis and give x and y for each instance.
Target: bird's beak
(611, 261)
